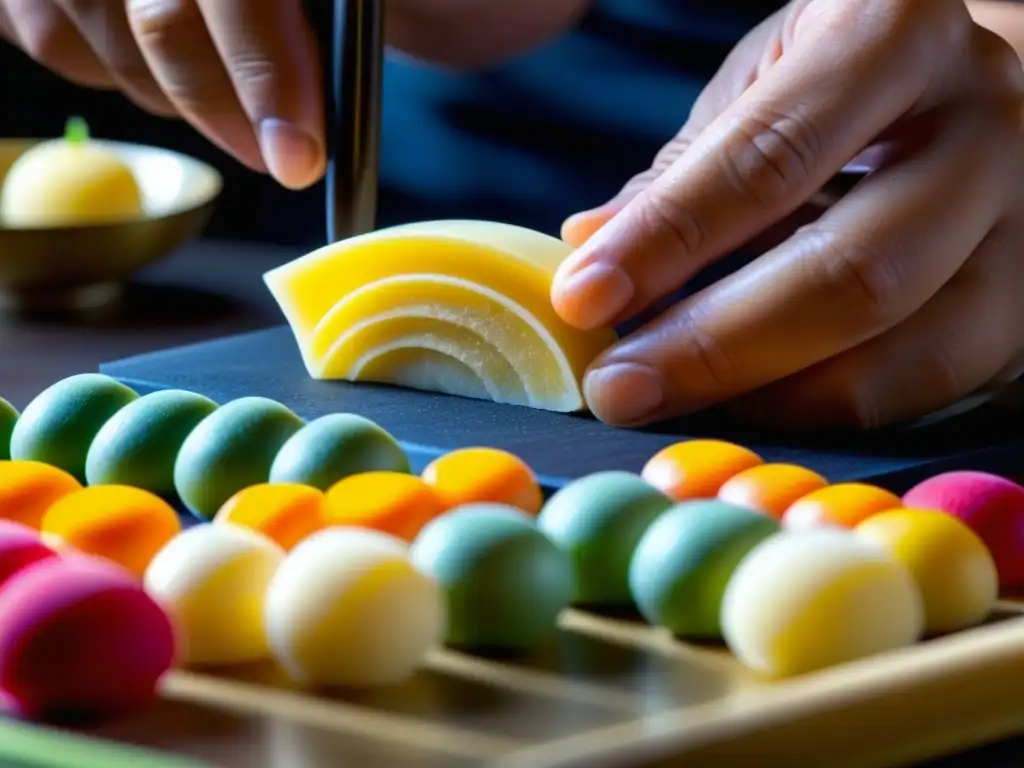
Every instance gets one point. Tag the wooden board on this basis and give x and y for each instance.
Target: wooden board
(562, 447)
(608, 693)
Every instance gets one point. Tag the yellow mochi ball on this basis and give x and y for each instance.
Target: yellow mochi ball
(212, 580)
(804, 600)
(348, 609)
(69, 182)
(953, 568)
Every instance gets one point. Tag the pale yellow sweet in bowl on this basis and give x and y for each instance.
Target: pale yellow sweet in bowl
(79, 215)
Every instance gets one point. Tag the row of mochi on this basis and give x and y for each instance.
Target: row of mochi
(182, 446)
(486, 577)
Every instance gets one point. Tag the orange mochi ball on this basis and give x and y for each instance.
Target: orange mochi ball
(844, 505)
(284, 512)
(770, 488)
(125, 525)
(29, 488)
(392, 502)
(697, 469)
(485, 475)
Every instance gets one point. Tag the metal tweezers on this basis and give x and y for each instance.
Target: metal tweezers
(351, 38)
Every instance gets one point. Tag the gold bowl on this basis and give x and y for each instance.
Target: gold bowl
(79, 267)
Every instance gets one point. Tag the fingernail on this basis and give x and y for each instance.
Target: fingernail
(624, 394)
(592, 297)
(292, 156)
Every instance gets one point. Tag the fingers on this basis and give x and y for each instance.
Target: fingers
(579, 228)
(104, 27)
(272, 61)
(736, 74)
(967, 336)
(45, 33)
(174, 41)
(803, 119)
(869, 263)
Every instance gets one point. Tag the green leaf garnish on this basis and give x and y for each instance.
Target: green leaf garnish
(76, 131)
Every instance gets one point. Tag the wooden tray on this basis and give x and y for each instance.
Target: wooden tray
(608, 692)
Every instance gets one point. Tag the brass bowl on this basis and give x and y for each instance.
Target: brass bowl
(80, 267)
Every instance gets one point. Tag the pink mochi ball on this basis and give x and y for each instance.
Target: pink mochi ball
(20, 547)
(80, 637)
(992, 506)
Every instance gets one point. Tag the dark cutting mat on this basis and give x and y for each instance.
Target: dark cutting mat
(563, 447)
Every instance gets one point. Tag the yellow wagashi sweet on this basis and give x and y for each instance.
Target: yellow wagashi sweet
(70, 181)
(459, 307)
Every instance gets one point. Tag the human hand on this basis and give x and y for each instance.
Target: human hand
(902, 298)
(243, 72)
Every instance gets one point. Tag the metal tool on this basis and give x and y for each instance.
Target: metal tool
(351, 38)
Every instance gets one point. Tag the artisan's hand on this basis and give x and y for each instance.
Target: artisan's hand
(904, 297)
(244, 72)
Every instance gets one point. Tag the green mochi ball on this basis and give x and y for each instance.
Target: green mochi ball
(505, 581)
(139, 445)
(231, 449)
(59, 425)
(8, 418)
(684, 561)
(336, 446)
(598, 520)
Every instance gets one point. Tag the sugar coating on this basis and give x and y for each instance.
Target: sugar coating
(992, 506)
(81, 636)
(803, 600)
(347, 608)
(212, 579)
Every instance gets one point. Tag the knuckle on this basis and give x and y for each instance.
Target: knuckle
(999, 62)
(668, 154)
(254, 73)
(855, 405)
(703, 351)
(666, 213)
(162, 25)
(939, 26)
(944, 376)
(44, 37)
(865, 279)
(769, 155)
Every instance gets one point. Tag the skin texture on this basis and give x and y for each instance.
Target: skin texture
(896, 302)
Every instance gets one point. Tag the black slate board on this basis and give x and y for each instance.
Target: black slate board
(562, 447)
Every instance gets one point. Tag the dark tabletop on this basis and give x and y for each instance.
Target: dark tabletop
(208, 290)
